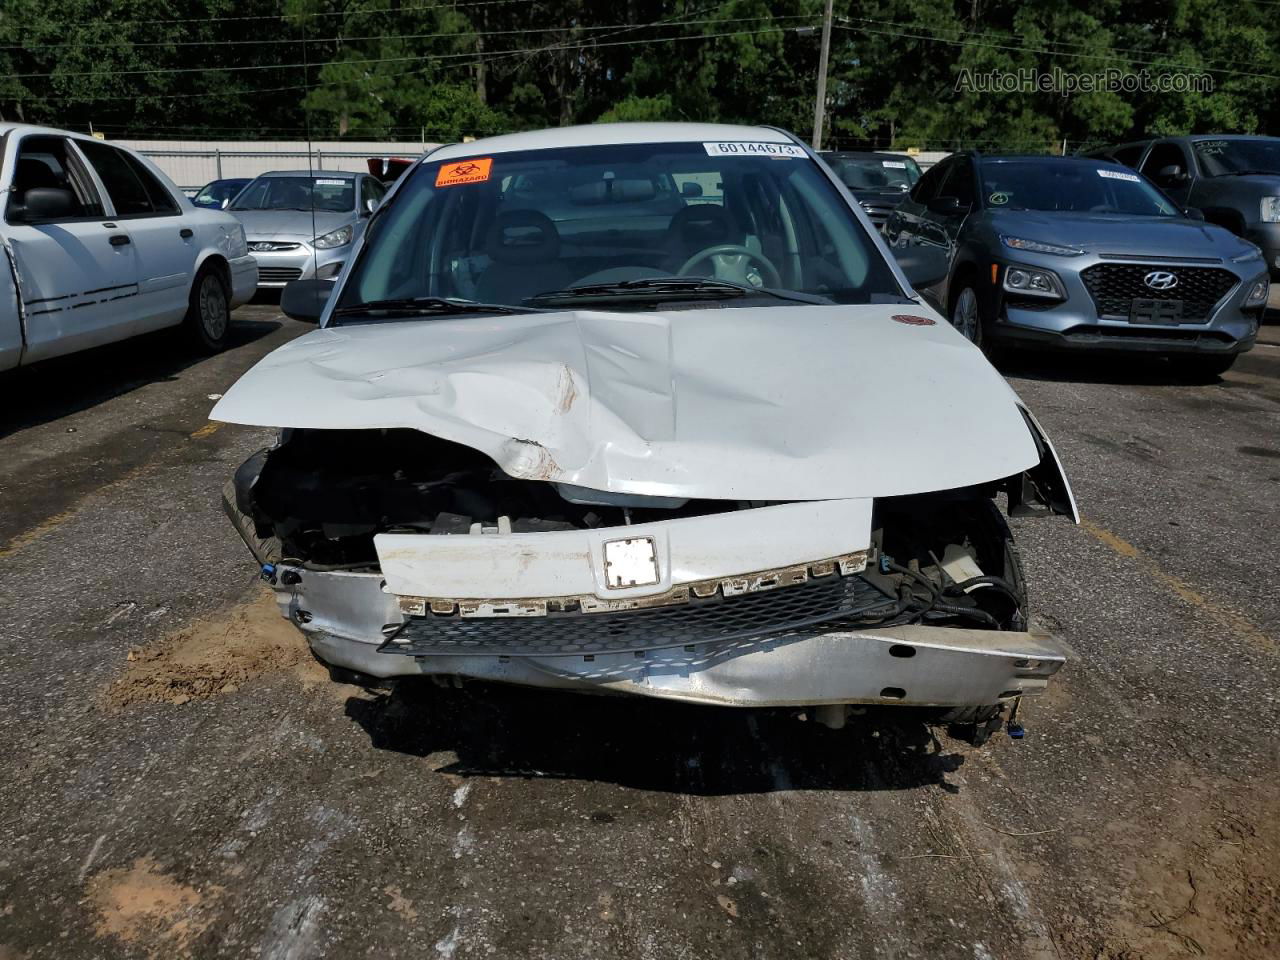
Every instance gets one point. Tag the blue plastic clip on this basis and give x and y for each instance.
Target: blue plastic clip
(269, 572)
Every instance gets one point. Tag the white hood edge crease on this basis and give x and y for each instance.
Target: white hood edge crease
(760, 403)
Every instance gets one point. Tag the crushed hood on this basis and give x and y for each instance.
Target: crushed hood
(762, 403)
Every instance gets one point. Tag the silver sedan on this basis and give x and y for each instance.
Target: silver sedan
(302, 224)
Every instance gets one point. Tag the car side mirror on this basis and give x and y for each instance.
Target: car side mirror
(48, 203)
(1193, 213)
(944, 205)
(225, 203)
(1172, 174)
(925, 265)
(305, 299)
(370, 205)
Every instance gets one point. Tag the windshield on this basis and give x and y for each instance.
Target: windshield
(298, 193)
(617, 219)
(219, 191)
(1220, 158)
(1073, 187)
(875, 173)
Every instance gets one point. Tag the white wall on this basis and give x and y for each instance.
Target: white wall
(193, 163)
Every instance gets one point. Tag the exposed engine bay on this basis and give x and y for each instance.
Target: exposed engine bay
(318, 499)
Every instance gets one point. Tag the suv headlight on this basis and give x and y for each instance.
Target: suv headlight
(1258, 292)
(1035, 246)
(338, 238)
(1030, 282)
(1269, 210)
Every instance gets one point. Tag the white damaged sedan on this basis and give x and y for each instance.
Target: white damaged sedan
(645, 409)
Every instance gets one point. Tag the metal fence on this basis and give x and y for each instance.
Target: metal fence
(193, 164)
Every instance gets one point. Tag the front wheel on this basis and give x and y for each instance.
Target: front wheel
(208, 312)
(966, 316)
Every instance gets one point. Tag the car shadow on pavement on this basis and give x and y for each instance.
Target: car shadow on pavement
(501, 731)
(30, 396)
(1099, 368)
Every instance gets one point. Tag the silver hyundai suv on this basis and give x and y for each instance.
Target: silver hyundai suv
(1081, 254)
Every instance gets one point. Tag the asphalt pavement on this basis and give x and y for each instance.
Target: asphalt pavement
(178, 778)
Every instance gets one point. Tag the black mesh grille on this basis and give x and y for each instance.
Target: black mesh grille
(713, 619)
(276, 274)
(1114, 287)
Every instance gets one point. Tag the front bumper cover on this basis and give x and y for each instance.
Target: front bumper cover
(345, 617)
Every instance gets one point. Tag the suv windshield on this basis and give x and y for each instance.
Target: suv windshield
(335, 194)
(1221, 158)
(875, 172)
(618, 222)
(1072, 187)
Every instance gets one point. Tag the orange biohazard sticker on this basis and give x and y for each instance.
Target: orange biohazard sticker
(464, 171)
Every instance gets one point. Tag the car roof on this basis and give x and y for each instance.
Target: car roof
(607, 134)
(1047, 158)
(344, 174)
(865, 154)
(1199, 137)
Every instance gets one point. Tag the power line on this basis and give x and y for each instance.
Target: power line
(155, 71)
(1052, 53)
(345, 39)
(299, 16)
(987, 34)
(487, 58)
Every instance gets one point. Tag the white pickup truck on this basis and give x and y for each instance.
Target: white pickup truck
(96, 245)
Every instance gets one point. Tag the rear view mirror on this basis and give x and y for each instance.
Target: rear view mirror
(48, 203)
(1194, 213)
(690, 189)
(1171, 174)
(305, 299)
(924, 266)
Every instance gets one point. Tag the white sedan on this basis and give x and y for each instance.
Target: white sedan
(645, 409)
(99, 245)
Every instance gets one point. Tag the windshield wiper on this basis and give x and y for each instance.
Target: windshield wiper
(672, 288)
(426, 307)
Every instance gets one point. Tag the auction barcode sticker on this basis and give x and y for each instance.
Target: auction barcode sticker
(895, 164)
(747, 148)
(1117, 175)
(330, 183)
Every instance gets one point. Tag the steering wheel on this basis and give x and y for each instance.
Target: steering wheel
(730, 262)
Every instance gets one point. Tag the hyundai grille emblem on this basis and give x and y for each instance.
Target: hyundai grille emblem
(1160, 280)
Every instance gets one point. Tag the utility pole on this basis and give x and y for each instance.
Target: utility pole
(820, 103)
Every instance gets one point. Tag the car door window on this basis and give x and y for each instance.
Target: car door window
(162, 202)
(47, 162)
(959, 182)
(1129, 154)
(926, 187)
(1164, 155)
(370, 189)
(127, 192)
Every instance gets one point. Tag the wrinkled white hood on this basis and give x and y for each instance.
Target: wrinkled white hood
(757, 403)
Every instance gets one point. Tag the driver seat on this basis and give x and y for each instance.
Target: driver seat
(524, 250)
(697, 227)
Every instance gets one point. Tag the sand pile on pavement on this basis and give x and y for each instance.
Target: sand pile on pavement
(142, 906)
(212, 657)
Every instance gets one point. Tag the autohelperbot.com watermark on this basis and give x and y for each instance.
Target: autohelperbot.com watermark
(1111, 80)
